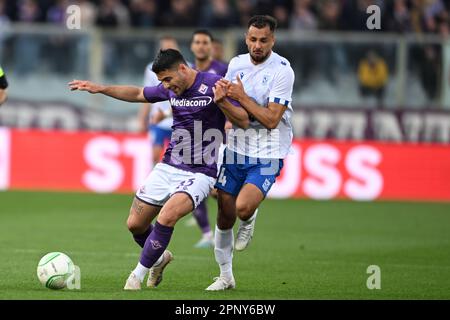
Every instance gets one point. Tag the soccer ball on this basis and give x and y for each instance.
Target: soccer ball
(54, 270)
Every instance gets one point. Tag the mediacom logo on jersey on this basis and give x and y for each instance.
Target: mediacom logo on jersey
(202, 101)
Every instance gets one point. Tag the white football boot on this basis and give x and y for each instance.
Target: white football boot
(205, 242)
(221, 283)
(156, 272)
(133, 283)
(245, 233)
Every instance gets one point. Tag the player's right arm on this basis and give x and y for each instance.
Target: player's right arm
(125, 93)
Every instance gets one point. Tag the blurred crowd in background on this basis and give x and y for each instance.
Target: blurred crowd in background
(373, 67)
(428, 16)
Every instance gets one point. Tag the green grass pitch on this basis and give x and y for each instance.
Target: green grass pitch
(301, 249)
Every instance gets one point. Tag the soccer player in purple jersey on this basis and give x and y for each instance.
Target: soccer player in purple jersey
(188, 170)
(160, 131)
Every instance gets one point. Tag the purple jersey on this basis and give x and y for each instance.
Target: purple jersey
(217, 67)
(198, 125)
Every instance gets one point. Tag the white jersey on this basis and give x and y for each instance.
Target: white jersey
(151, 80)
(271, 81)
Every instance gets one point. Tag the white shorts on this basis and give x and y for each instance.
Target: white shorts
(165, 180)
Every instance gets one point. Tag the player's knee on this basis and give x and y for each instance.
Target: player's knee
(225, 222)
(244, 210)
(168, 220)
(135, 227)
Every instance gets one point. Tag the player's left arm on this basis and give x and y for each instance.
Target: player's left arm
(280, 97)
(269, 117)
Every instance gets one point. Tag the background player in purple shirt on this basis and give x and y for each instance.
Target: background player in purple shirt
(188, 171)
(201, 47)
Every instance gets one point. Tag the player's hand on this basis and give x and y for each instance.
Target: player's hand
(223, 82)
(83, 85)
(236, 90)
(220, 92)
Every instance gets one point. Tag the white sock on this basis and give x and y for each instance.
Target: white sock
(140, 271)
(223, 251)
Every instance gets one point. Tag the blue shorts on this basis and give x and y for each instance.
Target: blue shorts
(237, 170)
(159, 135)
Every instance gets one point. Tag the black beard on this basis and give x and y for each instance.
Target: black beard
(259, 59)
(203, 58)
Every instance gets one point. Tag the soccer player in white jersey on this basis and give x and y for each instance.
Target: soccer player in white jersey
(262, 82)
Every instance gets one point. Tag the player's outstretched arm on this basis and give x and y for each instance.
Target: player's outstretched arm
(269, 117)
(125, 93)
(237, 116)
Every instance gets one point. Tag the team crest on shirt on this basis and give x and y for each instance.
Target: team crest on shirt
(203, 88)
(265, 79)
(241, 75)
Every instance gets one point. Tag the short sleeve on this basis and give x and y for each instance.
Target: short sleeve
(229, 75)
(156, 94)
(282, 87)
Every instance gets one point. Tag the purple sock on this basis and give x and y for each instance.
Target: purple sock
(201, 215)
(156, 243)
(140, 238)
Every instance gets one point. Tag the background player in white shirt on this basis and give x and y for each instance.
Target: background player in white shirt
(263, 84)
(156, 118)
